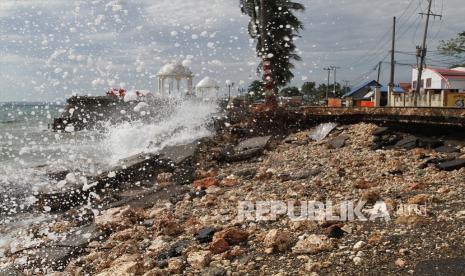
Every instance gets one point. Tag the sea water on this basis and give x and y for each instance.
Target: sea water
(30, 150)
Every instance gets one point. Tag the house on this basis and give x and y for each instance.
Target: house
(360, 95)
(438, 88)
(365, 94)
(452, 80)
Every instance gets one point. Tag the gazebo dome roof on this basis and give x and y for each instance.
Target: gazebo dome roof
(207, 83)
(175, 70)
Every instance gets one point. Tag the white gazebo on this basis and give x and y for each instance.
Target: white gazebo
(207, 88)
(171, 74)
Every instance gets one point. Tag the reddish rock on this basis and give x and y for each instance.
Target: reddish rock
(205, 183)
(363, 185)
(201, 174)
(229, 182)
(413, 186)
(374, 239)
(419, 199)
(233, 235)
(219, 246)
(371, 196)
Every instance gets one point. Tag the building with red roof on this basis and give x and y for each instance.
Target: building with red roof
(440, 79)
(439, 87)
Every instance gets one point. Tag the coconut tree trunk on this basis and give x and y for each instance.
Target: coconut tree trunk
(270, 96)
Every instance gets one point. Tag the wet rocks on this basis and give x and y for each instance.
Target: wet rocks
(83, 236)
(205, 235)
(385, 141)
(380, 131)
(55, 258)
(10, 271)
(134, 168)
(429, 143)
(253, 143)
(180, 154)
(164, 179)
(452, 165)
(446, 149)
(409, 142)
(119, 218)
(245, 150)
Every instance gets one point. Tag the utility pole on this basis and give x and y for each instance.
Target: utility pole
(393, 63)
(346, 86)
(393, 52)
(335, 70)
(379, 71)
(421, 51)
(327, 87)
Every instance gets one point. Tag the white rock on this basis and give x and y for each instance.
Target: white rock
(312, 245)
(359, 245)
(199, 259)
(358, 260)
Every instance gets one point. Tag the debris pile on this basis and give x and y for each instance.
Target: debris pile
(198, 228)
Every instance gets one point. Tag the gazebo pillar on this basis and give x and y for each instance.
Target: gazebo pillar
(189, 85)
(178, 85)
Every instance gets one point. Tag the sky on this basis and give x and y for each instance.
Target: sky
(52, 49)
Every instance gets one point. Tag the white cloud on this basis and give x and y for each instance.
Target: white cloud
(197, 13)
(7, 7)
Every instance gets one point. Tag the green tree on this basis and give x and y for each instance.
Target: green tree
(322, 88)
(255, 91)
(308, 88)
(282, 28)
(290, 92)
(454, 47)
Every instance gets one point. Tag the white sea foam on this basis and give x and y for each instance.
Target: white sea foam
(184, 123)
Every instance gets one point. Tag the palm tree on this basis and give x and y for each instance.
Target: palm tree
(275, 27)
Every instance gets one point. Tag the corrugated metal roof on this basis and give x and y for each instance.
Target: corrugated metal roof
(361, 86)
(397, 89)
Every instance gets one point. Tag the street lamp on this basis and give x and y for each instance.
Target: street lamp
(230, 85)
(241, 91)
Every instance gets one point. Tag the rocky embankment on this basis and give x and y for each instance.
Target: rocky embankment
(183, 218)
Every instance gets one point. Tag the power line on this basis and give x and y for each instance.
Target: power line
(381, 46)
